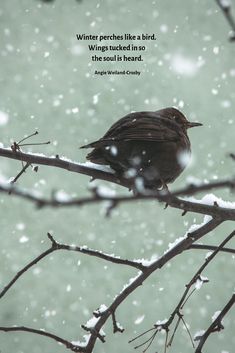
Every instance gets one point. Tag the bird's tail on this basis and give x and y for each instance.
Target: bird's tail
(96, 144)
(89, 145)
(96, 156)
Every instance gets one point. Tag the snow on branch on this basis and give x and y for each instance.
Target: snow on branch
(82, 249)
(193, 285)
(103, 315)
(225, 211)
(215, 210)
(216, 325)
(93, 170)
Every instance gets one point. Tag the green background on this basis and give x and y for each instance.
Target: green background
(47, 83)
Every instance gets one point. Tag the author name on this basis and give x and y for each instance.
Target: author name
(117, 72)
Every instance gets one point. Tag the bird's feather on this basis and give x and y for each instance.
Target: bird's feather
(140, 126)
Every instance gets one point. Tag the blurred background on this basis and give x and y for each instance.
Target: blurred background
(47, 83)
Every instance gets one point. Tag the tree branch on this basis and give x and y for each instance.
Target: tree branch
(211, 247)
(84, 250)
(135, 283)
(23, 170)
(187, 294)
(226, 10)
(96, 171)
(170, 199)
(218, 214)
(103, 173)
(216, 324)
(195, 189)
(67, 344)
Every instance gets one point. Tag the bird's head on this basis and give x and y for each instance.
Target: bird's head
(175, 115)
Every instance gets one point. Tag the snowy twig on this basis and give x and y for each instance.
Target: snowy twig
(84, 250)
(116, 326)
(225, 7)
(169, 198)
(187, 294)
(67, 344)
(219, 214)
(216, 324)
(95, 171)
(186, 206)
(182, 245)
(159, 263)
(16, 148)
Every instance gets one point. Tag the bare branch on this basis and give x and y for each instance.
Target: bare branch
(195, 189)
(84, 250)
(66, 164)
(217, 212)
(216, 324)
(67, 344)
(21, 272)
(198, 274)
(135, 283)
(211, 247)
(116, 326)
(187, 294)
(20, 173)
(96, 172)
(170, 199)
(187, 329)
(226, 10)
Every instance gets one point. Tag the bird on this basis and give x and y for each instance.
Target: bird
(149, 146)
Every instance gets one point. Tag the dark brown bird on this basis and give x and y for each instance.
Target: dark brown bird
(151, 145)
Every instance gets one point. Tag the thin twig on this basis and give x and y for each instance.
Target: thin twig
(174, 332)
(26, 268)
(116, 327)
(226, 10)
(26, 138)
(198, 273)
(84, 250)
(141, 277)
(142, 334)
(67, 344)
(150, 341)
(211, 247)
(20, 173)
(216, 324)
(166, 339)
(187, 298)
(186, 295)
(170, 254)
(187, 329)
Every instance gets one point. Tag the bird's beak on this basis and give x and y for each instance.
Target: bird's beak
(191, 124)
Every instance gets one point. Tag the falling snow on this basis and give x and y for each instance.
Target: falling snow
(4, 117)
(48, 83)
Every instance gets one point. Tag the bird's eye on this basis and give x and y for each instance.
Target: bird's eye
(177, 119)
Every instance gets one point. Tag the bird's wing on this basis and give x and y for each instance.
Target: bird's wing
(140, 126)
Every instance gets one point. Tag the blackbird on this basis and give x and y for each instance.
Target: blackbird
(151, 145)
